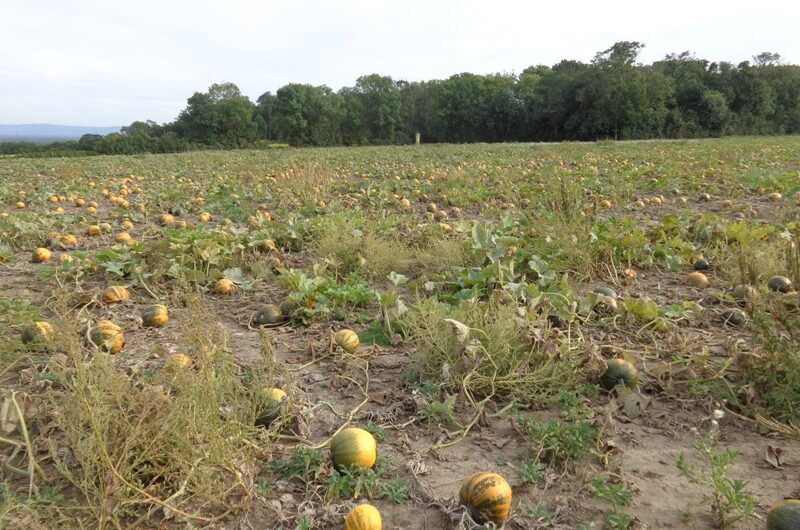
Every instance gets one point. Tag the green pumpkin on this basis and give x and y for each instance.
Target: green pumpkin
(619, 372)
(781, 284)
(268, 315)
(784, 515)
(272, 402)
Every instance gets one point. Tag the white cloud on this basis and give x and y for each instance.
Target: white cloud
(112, 62)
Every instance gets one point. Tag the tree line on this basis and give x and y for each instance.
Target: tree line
(611, 97)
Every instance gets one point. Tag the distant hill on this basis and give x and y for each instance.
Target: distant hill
(47, 132)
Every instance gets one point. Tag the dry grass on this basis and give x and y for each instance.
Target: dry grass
(175, 444)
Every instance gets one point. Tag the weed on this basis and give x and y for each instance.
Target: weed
(729, 499)
(559, 443)
(529, 471)
(541, 514)
(305, 465)
(395, 490)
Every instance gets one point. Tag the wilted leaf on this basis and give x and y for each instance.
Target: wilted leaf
(460, 330)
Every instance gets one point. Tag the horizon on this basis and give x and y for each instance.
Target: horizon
(61, 75)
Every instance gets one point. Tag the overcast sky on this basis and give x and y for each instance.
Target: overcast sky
(107, 62)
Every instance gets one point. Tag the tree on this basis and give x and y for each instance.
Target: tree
(220, 117)
(381, 109)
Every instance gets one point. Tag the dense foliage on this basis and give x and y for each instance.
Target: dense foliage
(612, 97)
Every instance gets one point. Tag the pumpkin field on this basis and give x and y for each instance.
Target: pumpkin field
(557, 336)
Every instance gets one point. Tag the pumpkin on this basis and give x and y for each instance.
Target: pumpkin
(354, 447)
(204, 217)
(126, 224)
(735, 317)
(780, 284)
(619, 372)
(20, 205)
(223, 286)
(272, 402)
(791, 301)
(431, 208)
(40, 255)
(287, 306)
(38, 332)
(177, 211)
(68, 240)
(267, 315)
(774, 197)
(347, 340)
(115, 294)
(320, 204)
(155, 316)
(606, 291)
(124, 238)
(363, 517)
(697, 279)
(487, 496)
(606, 305)
(165, 219)
(784, 515)
(107, 336)
(405, 203)
(93, 230)
(744, 293)
(177, 362)
(701, 265)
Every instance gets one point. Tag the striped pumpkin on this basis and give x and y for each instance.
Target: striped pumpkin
(354, 447)
(107, 336)
(487, 496)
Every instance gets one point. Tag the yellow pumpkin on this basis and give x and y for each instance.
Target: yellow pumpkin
(38, 332)
(155, 316)
(272, 402)
(223, 286)
(107, 336)
(363, 517)
(487, 496)
(68, 240)
(347, 339)
(115, 294)
(126, 224)
(124, 238)
(165, 219)
(20, 205)
(354, 447)
(204, 217)
(40, 255)
(93, 230)
(177, 362)
(784, 515)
